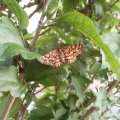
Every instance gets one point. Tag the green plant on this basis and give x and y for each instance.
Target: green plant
(85, 89)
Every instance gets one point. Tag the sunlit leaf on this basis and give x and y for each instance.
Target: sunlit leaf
(9, 81)
(14, 7)
(101, 97)
(86, 26)
(9, 50)
(8, 32)
(112, 39)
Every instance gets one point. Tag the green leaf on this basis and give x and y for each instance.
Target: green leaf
(61, 114)
(95, 116)
(48, 42)
(9, 81)
(101, 96)
(43, 74)
(95, 68)
(72, 99)
(112, 39)
(69, 5)
(99, 9)
(73, 116)
(8, 32)
(21, 15)
(11, 49)
(11, 42)
(79, 84)
(42, 113)
(86, 26)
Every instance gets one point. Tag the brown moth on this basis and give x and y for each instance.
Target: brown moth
(67, 54)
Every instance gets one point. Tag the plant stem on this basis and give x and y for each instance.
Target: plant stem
(39, 34)
(39, 27)
(111, 86)
(37, 8)
(8, 108)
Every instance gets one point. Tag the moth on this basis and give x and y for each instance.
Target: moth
(67, 54)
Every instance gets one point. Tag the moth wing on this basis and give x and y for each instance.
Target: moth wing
(51, 58)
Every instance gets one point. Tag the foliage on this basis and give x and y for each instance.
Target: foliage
(85, 89)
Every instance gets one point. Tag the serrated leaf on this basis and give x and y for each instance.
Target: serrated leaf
(9, 81)
(45, 75)
(86, 26)
(21, 15)
(9, 50)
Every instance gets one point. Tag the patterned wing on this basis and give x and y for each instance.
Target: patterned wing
(67, 54)
(51, 58)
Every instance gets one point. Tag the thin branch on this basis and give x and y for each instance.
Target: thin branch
(104, 112)
(39, 34)
(23, 112)
(37, 8)
(92, 109)
(8, 108)
(90, 101)
(88, 113)
(112, 86)
(39, 27)
(39, 91)
(24, 105)
(109, 108)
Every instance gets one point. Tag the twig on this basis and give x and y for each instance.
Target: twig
(88, 113)
(39, 34)
(107, 9)
(39, 91)
(39, 27)
(37, 8)
(111, 86)
(23, 112)
(8, 108)
(90, 101)
(92, 109)
(104, 112)
(109, 108)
